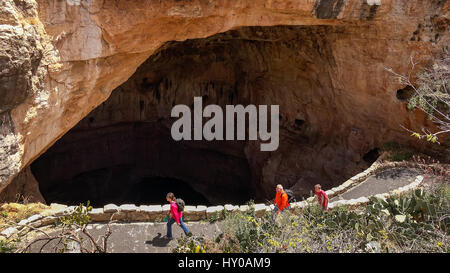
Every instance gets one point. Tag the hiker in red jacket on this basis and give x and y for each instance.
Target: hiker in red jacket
(176, 216)
(321, 196)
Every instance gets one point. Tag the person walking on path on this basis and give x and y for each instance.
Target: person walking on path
(281, 201)
(321, 196)
(175, 215)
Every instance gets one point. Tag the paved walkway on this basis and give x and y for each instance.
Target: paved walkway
(148, 237)
(382, 182)
(141, 237)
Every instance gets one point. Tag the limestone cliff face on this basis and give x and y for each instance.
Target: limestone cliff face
(26, 54)
(60, 59)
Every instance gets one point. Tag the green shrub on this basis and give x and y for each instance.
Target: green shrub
(6, 247)
(414, 222)
(214, 218)
(79, 216)
(390, 146)
(191, 244)
(401, 156)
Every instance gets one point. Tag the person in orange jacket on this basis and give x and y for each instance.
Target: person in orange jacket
(281, 201)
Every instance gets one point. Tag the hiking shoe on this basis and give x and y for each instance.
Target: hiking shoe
(189, 234)
(167, 238)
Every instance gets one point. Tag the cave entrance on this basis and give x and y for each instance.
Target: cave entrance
(126, 141)
(122, 163)
(154, 189)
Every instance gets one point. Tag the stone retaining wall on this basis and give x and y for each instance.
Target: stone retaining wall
(156, 213)
(376, 167)
(365, 199)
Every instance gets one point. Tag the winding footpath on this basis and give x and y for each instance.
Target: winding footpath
(382, 182)
(147, 237)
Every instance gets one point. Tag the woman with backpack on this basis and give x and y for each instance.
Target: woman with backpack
(176, 214)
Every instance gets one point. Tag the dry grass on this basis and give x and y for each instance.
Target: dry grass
(14, 212)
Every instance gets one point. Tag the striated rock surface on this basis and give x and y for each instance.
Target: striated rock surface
(24, 188)
(61, 59)
(25, 53)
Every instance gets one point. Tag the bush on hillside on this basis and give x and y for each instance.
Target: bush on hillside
(414, 222)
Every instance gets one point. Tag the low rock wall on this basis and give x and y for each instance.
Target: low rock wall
(156, 213)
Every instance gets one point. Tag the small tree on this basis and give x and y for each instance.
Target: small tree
(431, 95)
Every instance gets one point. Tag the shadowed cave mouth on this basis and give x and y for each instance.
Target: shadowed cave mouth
(123, 152)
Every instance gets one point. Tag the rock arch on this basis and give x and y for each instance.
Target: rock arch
(82, 50)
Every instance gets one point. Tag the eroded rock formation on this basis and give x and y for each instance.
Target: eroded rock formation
(24, 188)
(325, 68)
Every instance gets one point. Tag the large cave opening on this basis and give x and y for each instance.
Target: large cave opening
(122, 152)
(128, 162)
